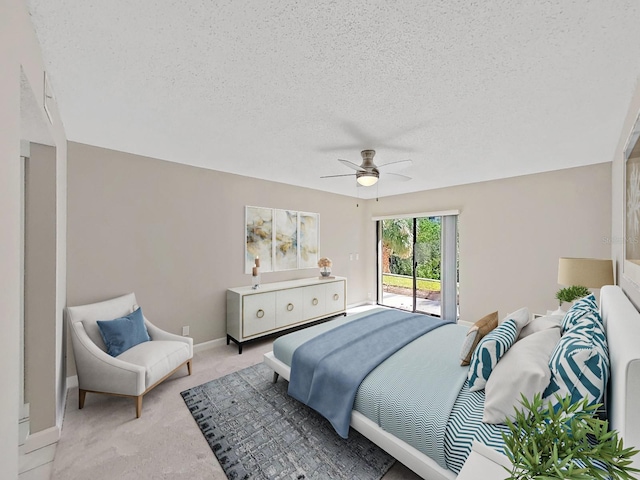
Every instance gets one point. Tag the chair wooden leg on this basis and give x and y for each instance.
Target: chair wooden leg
(138, 406)
(82, 394)
(189, 367)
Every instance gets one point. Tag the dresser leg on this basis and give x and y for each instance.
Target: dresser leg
(275, 377)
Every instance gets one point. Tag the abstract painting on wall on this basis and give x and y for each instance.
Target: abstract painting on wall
(309, 234)
(282, 239)
(259, 238)
(286, 240)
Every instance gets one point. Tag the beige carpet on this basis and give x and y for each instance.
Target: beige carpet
(104, 440)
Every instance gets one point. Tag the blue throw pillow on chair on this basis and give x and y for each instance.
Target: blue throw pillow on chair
(121, 334)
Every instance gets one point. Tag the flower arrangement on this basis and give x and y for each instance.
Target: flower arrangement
(324, 262)
(325, 267)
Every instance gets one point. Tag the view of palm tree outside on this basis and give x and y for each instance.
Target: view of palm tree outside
(400, 253)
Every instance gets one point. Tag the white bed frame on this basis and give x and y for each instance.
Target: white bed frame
(622, 324)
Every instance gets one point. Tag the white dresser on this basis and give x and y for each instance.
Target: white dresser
(275, 307)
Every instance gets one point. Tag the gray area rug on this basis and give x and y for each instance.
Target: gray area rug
(258, 432)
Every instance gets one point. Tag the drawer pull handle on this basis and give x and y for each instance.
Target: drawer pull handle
(260, 313)
(336, 296)
(289, 307)
(314, 301)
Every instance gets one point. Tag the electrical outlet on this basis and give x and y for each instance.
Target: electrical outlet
(357, 256)
(185, 331)
(350, 256)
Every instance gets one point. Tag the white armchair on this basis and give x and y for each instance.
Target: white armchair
(134, 372)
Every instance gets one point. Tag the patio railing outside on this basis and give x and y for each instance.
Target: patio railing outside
(398, 292)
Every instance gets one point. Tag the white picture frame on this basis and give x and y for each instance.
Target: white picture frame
(631, 220)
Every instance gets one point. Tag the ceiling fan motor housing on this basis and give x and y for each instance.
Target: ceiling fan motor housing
(367, 158)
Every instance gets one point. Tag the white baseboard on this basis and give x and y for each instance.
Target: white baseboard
(72, 382)
(23, 424)
(24, 411)
(40, 439)
(37, 464)
(23, 431)
(361, 304)
(200, 347)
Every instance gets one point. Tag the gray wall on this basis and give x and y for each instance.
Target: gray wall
(174, 235)
(40, 286)
(513, 231)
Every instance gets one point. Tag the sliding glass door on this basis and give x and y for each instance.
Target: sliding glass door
(418, 264)
(427, 262)
(396, 263)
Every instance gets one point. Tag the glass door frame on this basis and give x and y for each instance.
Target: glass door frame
(448, 261)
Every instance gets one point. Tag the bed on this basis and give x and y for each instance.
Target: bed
(405, 432)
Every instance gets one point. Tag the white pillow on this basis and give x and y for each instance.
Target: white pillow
(541, 323)
(524, 368)
(522, 317)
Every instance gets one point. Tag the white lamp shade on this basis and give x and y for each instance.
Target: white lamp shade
(587, 272)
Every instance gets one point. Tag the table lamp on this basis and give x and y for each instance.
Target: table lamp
(587, 272)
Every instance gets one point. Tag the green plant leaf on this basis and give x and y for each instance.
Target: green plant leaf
(569, 294)
(568, 442)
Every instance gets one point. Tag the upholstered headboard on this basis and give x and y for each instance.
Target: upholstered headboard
(622, 323)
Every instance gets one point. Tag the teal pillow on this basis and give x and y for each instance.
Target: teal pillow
(489, 351)
(579, 309)
(121, 334)
(580, 363)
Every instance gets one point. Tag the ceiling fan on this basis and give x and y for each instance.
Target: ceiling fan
(368, 173)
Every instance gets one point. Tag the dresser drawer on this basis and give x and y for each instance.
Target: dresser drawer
(335, 297)
(314, 299)
(258, 313)
(289, 307)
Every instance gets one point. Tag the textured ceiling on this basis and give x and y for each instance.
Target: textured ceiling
(280, 89)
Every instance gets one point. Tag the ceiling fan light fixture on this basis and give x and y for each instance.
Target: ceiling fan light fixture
(367, 179)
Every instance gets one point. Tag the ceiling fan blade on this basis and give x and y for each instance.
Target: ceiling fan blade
(344, 175)
(399, 165)
(397, 176)
(351, 165)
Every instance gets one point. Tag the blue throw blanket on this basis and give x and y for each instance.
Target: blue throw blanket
(327, 370)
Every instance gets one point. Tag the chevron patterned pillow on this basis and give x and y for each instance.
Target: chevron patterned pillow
(580, 363)
(489, 351)
(579, 309)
